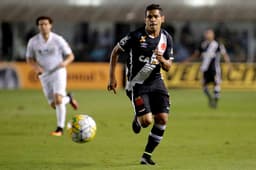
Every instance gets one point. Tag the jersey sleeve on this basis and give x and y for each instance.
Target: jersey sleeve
(65, 48)
(125, 43)
(168, 54)
(30, 53)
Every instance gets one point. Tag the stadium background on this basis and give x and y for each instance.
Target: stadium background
(93, 27)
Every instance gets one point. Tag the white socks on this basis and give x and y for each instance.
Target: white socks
(61, 114)
(65, 99)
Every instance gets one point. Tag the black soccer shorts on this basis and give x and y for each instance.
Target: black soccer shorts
(211, 77)
(152, 101)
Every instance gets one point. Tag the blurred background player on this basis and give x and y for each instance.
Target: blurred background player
(49, 54)
(150, 49)
(211, 51)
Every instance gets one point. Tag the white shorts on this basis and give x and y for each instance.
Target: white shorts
(54, 83)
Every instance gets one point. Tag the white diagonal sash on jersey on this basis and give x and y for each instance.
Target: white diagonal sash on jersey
(209, 55)
(147, 69)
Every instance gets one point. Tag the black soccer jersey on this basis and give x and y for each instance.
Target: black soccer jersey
(210, 52)
(142, 67)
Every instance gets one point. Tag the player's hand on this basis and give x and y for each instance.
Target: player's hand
(159, 55)
(39, 71)
(112, 86)
(62, 65)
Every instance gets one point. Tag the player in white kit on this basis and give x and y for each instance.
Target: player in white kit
(49, 54)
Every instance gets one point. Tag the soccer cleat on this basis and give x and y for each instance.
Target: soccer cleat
(147, 161)
(54, 133)
(57, 132)
(135, 125)
(73, 102)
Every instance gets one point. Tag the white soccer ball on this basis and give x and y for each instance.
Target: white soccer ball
(82, 128)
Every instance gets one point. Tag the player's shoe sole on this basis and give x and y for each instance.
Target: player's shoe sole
(135, 125)
(73, 102)
(147, 161)
(56, 133)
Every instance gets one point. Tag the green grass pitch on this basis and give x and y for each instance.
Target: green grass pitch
(197, 137)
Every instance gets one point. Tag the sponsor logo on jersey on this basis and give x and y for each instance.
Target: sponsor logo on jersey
(143, 45)
(124, 40)
(144, 59)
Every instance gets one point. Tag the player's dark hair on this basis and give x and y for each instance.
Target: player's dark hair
(154, 7)
(44, 18)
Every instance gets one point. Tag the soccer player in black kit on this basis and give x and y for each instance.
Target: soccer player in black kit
(210, 50)
(150, 48)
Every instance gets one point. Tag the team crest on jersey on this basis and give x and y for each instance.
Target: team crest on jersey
(163, 46)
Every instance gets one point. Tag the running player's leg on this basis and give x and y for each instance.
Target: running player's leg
(72, 101)
(160, 107)
(69, 98)
(205, 82)
(60, 98)
(48, 90)
(217, 87)
(143, 116)
(208, 78)
(216, 94)
(60, 80)
(61, 114)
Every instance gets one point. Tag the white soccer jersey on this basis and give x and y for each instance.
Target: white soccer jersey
(49, 54)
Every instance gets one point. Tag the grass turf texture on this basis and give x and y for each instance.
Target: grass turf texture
(197, 137)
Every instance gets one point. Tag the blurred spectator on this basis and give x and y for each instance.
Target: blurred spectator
(94, 44)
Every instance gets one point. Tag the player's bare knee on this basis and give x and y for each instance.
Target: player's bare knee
(161, 119)
(146, 123)
(146, 120)
(58, 99)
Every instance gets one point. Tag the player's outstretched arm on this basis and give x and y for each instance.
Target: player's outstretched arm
(112, 85)
(227, 60)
